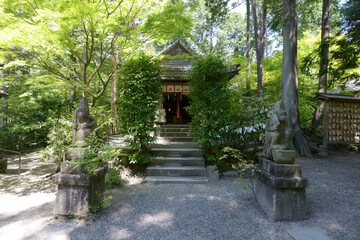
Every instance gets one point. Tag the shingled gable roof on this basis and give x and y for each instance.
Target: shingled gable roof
(176, 69)
(178, 44)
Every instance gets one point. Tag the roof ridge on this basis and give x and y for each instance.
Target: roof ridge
(178, 41)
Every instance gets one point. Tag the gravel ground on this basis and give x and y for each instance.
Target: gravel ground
(333, 195)
(217, 210)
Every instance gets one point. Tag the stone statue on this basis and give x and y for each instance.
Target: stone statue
(84, 123)
(277, 136)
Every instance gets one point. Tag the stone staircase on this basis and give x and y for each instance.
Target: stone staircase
(175, 157)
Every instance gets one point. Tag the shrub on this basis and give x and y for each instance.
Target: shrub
(210, 105)
(60, 138)
(248, 118)
(140, 91)
(97, 153)
(113, 178)
(247, 168)
(30, 112)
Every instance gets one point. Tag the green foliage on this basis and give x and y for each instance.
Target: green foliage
(99, 202)
(102, 114)
(96, 154)
(139, 87)
(168, 20)
(309, 14)
(210, 104)
(248, 118)
(113, 178)
(30, 112)
(346, 51)
(73, 40)
(233, 36)
(217, 10)
(247, 167)
(59, 139)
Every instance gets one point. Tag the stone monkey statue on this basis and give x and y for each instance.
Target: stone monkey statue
(84, 123)
(277, 135)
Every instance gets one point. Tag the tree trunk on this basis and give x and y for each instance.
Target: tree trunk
(248, 45)
(259, 49)
(264, 28)
(325, 31)
(290, 80)
(5, 88)
(72, 99)
(114, 89)
(211, 37)
(324, 60)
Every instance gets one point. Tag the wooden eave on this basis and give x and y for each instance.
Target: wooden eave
(337, 97)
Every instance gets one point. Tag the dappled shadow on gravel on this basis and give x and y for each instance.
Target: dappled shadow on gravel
(21, 216)
(333, 195)
(35, 176)
(219, 210)
(216, 210)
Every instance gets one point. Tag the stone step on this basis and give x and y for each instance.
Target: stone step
(175, 139)
(175, 152)
(185, 179)
(165, 144)
(172, 129)
(184, 126)
(120, 146)
(178, 161)
(174, 134)
(176, 171)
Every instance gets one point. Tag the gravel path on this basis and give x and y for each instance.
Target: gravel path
(218, 210)
(333, 195)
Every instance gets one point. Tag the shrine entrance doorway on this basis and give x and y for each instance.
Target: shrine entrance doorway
(176, 107)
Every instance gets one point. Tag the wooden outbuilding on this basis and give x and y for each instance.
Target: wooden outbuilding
(341, 119)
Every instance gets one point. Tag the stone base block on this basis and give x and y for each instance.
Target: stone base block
(77, 192)
(283, 156)
(282, 204)
(323, 151)
(280, 170)
(282, 197)
(72, 201)
(3, 165)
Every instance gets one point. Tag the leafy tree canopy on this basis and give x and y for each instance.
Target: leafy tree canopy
(72, 40)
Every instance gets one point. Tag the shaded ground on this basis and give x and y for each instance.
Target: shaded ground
(34, 177)
(218, 210)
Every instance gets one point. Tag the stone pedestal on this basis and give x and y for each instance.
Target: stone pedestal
(280, 191)
(78, 191)
(3, 165)
(212, 173)
(75, 153)
(323, 150)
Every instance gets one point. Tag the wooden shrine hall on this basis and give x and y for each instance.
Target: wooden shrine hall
(176, 83)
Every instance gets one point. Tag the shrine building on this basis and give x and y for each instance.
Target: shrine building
(176, 63)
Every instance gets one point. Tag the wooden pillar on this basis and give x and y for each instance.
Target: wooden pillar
(324, 147)
(178, 115)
